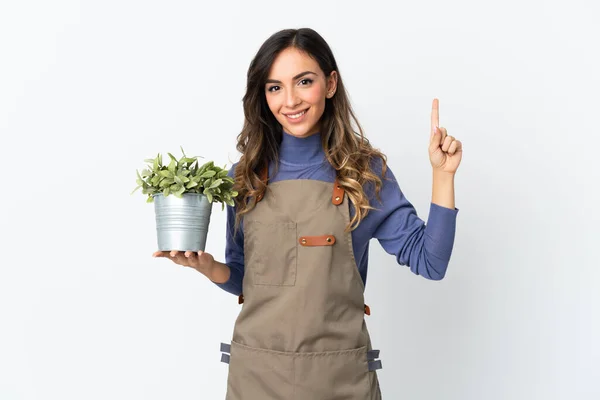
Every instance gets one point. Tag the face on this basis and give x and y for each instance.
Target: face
(296, 91)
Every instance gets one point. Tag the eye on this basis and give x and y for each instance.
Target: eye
(307, 80)
(271, 88)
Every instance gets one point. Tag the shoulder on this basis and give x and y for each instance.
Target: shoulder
(384, 173)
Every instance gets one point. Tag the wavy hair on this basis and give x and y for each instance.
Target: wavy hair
(349, 152)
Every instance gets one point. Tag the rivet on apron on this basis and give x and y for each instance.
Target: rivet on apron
(338, 194)
(303, 241)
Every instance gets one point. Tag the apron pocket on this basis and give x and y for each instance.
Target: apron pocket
(334, 375)
(270, 251)
(259, 374)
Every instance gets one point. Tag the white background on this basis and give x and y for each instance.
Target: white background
(89, 89)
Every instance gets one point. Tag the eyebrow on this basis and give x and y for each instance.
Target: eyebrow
(300, 75)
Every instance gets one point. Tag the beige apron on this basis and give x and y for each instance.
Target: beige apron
(301, 332)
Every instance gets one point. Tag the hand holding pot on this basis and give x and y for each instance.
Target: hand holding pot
(201, 261)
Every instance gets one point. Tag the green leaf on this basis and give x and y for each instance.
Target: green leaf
(216, 183)
(208, 174)
(166, 173)
(166, 182)
(172, 166)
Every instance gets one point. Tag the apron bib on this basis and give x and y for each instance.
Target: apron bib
(301, 332)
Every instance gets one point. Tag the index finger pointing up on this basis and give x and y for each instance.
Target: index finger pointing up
(435, 115)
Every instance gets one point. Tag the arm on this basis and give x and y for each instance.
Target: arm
(443, 189)
(425, 248)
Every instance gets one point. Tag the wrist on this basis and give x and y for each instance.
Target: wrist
(218, 272)
(438, 174)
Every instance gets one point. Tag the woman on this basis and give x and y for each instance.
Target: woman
(312, 193)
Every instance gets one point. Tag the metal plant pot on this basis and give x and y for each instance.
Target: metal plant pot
(182, 223)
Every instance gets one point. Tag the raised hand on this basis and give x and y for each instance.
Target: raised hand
(445, 152)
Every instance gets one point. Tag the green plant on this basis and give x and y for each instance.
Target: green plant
(186, 176)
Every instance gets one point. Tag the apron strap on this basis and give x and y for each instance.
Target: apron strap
(337, 196)
(372, 354)
(373, 365)
(371, 358)
(225, 348)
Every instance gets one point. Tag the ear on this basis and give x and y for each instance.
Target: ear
(332, 82)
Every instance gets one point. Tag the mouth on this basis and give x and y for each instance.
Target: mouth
(297, 117)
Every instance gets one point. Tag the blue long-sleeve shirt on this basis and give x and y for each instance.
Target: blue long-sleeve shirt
(425, 248)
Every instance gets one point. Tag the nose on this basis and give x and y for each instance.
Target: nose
(292, 99)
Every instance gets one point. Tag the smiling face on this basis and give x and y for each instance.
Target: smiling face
(296, 91)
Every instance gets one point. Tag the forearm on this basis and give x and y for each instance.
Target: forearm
(443, 189)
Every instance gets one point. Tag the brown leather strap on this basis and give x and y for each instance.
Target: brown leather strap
(240, 299)
(338, 193)
(323, 240)
(367, 310)
(264, 176)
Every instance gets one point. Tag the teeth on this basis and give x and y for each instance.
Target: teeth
(297, 115)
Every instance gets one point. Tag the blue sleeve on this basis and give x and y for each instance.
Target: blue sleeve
(424, 248)
(234, 252)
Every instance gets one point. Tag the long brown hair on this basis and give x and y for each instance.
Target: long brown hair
(349, 152)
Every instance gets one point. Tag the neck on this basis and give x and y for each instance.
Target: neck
(301, 150)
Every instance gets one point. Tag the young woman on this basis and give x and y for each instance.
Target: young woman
(312, 193)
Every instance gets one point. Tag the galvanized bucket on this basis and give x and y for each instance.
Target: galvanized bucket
(182, 223)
